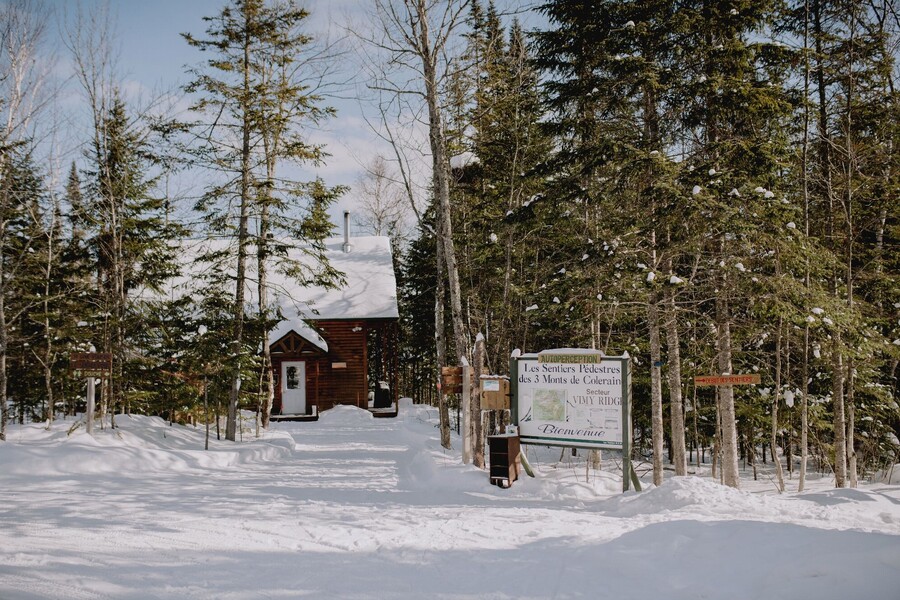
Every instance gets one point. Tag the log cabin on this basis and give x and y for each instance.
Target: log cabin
(339, 346)
(333, 346)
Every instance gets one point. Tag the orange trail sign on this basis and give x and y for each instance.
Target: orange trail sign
(751, 379)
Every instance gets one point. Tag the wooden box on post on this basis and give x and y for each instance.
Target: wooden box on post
(494, 392)
(504, 459)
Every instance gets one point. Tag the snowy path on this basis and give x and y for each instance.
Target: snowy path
(355, 507)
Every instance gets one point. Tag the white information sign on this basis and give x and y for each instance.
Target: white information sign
(572, 398)
(490, 385)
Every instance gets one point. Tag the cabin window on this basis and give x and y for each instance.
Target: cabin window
(293, 382)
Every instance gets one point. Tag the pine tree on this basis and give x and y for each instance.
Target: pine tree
(612, 99)
(739, 109)
(507, 144)
(21, 189)
(573, 58)
(256, 80)
(851, 165)
(130, 240)
(283, 101)
(74, 278)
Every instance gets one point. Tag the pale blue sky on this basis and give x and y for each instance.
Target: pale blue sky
(153, 57)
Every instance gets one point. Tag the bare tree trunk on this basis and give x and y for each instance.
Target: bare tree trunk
(776, 398)
(676, 409)
(717, 438)
(655, 388)
(730, 471)
(851, 424)
(840, 426)
(849, 241)
(4, 345)
(695, 407)
(804, 412)
(5, 200)
(440, 173)
(804, 165)
(839, 418)
(263, 293)
(243, 239)
(439, 341)
(262, 263)
(48, 336)
(475, 403)
(117, 378)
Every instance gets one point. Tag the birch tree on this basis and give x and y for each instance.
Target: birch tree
(24, 94)
(255, 90)
(420, 35)
(384, 209)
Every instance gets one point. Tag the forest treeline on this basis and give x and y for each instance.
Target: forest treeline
(709, 187)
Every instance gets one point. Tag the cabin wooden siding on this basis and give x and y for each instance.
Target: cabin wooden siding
(346, 344)
(327, 386)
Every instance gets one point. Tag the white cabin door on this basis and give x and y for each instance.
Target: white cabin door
(293, 388)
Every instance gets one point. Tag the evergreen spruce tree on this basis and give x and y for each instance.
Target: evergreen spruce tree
(284, 101)
(506, 143)
(131, 241)
(571, 55)
(738, 108)
(21, 190)
(851, 166)
(74, 278)
(612, 99)
(256, 80)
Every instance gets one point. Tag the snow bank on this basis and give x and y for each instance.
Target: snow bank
(679, 494)
(345, 415)
(356, 507)
(139, 445)
(890, 475)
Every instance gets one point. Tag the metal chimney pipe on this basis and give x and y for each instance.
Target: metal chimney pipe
(346, 231)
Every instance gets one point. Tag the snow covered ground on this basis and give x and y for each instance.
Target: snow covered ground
(363, 508)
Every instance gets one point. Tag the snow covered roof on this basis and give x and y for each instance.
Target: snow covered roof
(369, 291)
(464, 159)
(300, 328)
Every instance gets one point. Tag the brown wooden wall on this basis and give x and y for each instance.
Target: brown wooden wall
(349, 385)
(326, 385)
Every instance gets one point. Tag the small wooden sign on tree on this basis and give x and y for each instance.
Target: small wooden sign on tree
(451, 380)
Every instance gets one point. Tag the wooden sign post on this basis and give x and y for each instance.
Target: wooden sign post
(91, 406)
(90, 365)
(467, 441)
(458, 380)
(494, 392)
